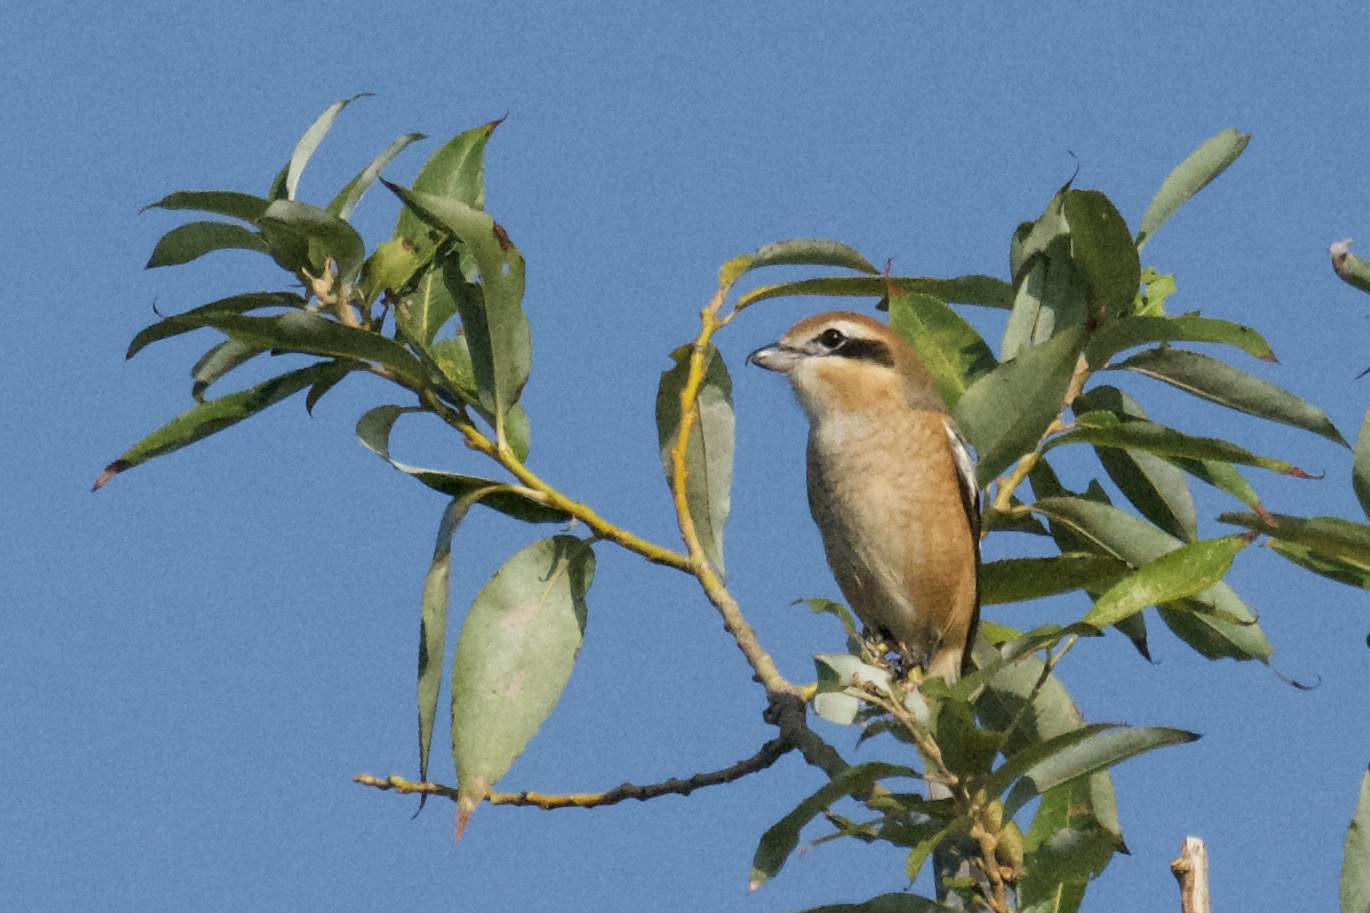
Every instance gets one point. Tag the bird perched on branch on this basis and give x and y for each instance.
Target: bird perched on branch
(891, 485)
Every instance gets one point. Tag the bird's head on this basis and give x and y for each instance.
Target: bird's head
(843, 363)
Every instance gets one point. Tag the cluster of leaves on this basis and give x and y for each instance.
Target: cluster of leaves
(1079, 303)
(437, 310)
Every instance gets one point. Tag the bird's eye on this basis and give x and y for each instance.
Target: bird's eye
(831, 338)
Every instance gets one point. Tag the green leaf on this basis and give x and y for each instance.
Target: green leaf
(454, 172)
(231, 203)
(1050, 292)
(1026, 759)
(348, 198)
(422, 312)
(1099, 752)
(811, 252)
(217, 362)
(513, 659)
(1119, 335)
(1355, 867)
(391, 268)
(492, 316)
(212, 416)
(1081, 817)
(982, 290)
(1064, 849)
(1216, 622)
(341, 368)
(195, 239)
(1157, 287)
(1102, 248)
(1019, 579)
(1331, 568)
(1330, 537)
(452, 358)
(1189, 177)
(885, 903)
(781, 839)
(1222, 476)
(1155, 487)
(1221, 383)
(196, 318)
(709, 452)
(950, 347)
(1360, 465)
(303, 238)
(310, 141)
(1184, 572)
(433, 623)
(300, 331)
(373, 430)
(1104, 429)
(1005, 412)
(1353, 270)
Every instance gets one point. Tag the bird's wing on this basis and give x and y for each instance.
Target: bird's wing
(965, 477)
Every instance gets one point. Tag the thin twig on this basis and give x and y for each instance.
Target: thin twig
(768, 755)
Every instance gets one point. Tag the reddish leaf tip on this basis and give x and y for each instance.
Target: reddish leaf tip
(112, 470)
(1270, 359)
(495, 123)
(1298, 473)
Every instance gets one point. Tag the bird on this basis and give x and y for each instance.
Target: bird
(891, 486)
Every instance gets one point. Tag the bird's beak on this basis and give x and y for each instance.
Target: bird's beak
(774, 357)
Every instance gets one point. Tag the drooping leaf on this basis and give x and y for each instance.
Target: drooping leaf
(304, 149)
(1175, 575)
(433, 623)
(302, 238)
(217, 362)
(456, 171)
(982, 290)
(351, 194)
(1064, 849)
(1050, 290)
(514, 656)
(211, 416)
(1221, 383)
(373, 430)
(296, 331)
(422, 312)
(1331, 537)
(195, 319)
(1189, 177)
(330, 379)
(230, 203)
(1119, 335)
(1331, 568)
(1105, 429)
(1155, 487)
(1360, 465)
(1216, 622)
(1222, 476)
(1355, 868)
(195, 239)
(709, 451)
(1005, 412)
(1102, 248)
(1019, 579)
(952, 350)
(492, 316)
(781, 839)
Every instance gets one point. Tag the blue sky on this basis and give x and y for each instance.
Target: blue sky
(198, 658)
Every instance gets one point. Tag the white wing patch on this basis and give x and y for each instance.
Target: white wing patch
(965, 475)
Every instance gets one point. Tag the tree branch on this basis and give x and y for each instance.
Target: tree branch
(768, 755)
